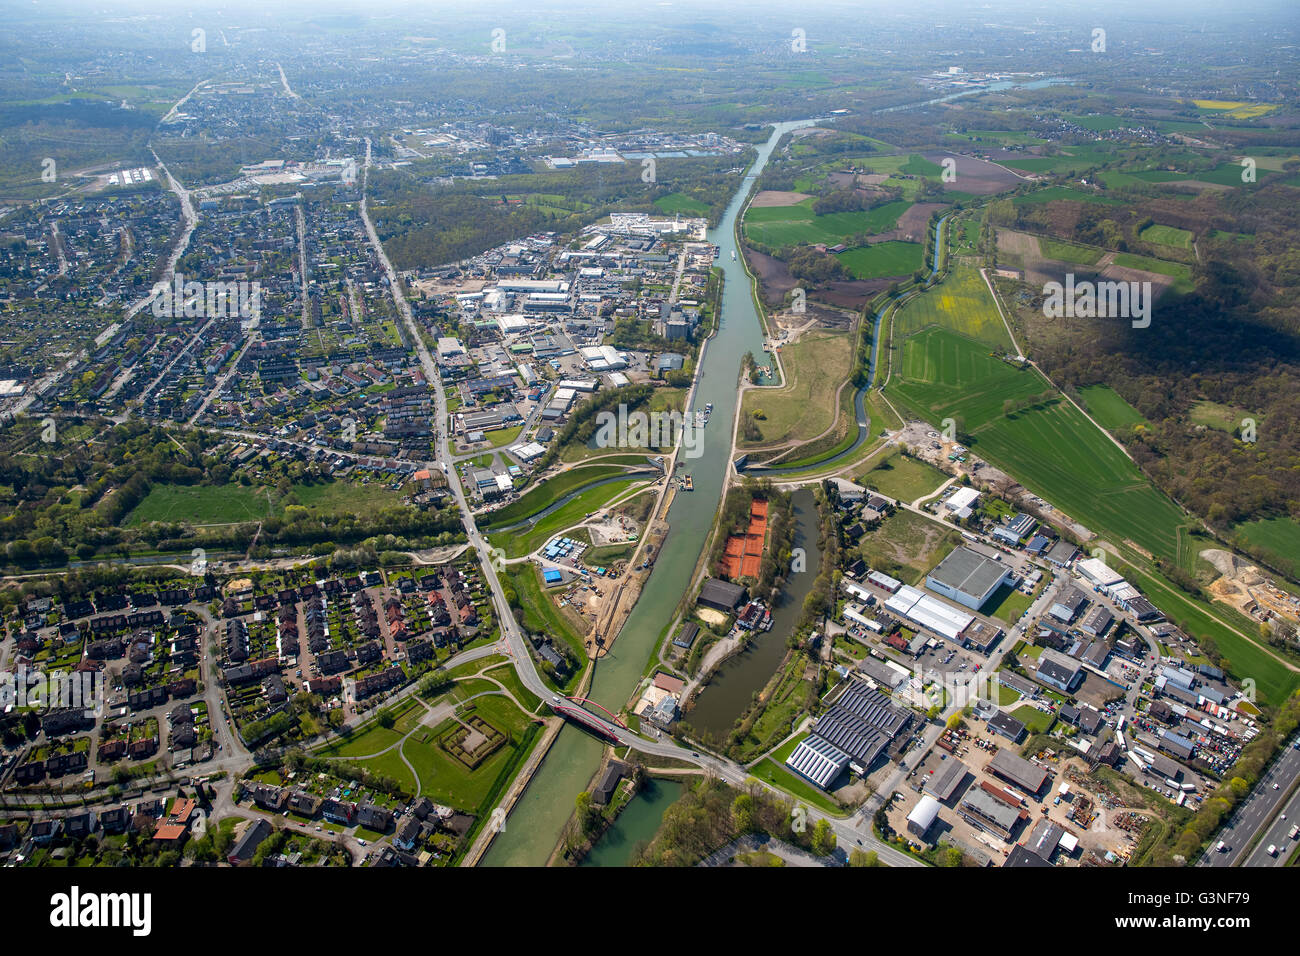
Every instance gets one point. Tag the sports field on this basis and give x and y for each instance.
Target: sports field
(961, 303)
(884, 259)
(1106, 405)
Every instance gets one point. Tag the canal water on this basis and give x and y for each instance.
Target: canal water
(635, 825)
(533, 827)
(733, 685)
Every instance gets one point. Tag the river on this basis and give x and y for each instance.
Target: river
(534, 826)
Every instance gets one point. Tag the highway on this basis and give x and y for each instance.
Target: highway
(1255, 812)
(1277, 835)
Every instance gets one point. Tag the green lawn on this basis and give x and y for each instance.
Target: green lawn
(681, 203)
(1007, 604)
(1068, 251)
(1216, 415)
(1167, 236)
(540, 497)
(518, 543)
(904, 479)
(1035, 721)
(1110, 410)
(203, 504)
(891, 258)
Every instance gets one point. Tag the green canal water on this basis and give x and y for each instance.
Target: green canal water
(635, 825)
(533, 827)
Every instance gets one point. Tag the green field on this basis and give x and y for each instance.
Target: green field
(525, 540)
(680, 202)
(541, 497)
(1050, 447)
(943, 374)
(1180, 272)
(1222, 417)
(1110, 410)
(781, 226)
(961, 303)
(1167, 236)
(1057, 453)
(1279, 536)
(815, 367)
(203, 504)
(1053, 193)
(902, 478)
(891, 258)
(1069, 251)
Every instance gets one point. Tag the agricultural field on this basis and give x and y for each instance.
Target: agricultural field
(1109, 408)
(890, 258)
(804, 407)
(781, 226)
(1180, 272)
(1057, 453)
(1054, 193)
(960, 303)
(1280, 537)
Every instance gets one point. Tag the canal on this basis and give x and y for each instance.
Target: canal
(635, 825)
(533, 827)
(731, 688)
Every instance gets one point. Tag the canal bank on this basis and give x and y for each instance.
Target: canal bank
(538, 818)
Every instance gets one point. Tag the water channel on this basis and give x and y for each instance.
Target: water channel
(533, 827)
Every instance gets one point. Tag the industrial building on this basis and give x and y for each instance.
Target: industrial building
(921, 609)
(818, 761)
(967, 577)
